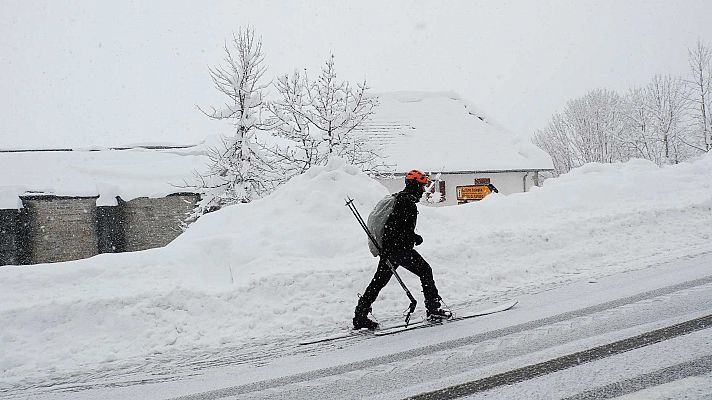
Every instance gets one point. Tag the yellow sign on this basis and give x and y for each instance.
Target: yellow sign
(472, 192)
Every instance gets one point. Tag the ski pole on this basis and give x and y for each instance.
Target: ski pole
(413, 302)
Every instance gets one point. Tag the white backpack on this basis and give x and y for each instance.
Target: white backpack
(377, 221)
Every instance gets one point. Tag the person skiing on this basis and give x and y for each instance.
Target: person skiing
(398, 240)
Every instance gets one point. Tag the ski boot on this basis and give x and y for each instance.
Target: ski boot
(364, 322)
(438, 314)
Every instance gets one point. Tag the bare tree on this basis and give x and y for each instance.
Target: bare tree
(320, 119)
(651, 122)
(288, 120)
(700, 85)
(666, 103)
(639, 138)
(556, 140)
(238, 171)
(589, 130)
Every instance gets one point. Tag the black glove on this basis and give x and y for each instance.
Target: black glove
(418, 239)
(492, 188)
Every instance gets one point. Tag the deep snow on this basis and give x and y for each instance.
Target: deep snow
(292, 263)
(105, 173)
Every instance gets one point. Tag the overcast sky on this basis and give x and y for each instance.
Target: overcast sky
(82, 73)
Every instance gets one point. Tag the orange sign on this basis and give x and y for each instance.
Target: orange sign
(472, 192)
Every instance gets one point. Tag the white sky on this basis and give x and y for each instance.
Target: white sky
(79, 73)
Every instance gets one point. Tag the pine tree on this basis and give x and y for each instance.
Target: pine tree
(239, 171)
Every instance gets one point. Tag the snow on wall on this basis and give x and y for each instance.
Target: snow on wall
(107, 174)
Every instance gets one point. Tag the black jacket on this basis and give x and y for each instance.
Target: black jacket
(399, 230)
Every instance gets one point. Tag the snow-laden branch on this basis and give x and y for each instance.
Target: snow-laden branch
(322, 119)
(240, 169)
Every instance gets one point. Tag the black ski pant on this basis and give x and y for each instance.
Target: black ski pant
(413, 262)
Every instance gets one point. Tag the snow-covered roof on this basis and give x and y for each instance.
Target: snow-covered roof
(106, 173)
(434, 132)
(440, 132)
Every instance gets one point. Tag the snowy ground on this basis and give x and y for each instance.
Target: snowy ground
(290, 265)
(545, 327)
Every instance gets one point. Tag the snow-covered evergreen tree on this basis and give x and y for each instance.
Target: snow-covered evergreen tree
(321, 119)
(238, 170)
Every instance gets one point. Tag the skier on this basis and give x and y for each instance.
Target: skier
(398, 240)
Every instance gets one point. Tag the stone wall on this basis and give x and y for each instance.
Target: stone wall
(53, 229)
(150, 223)
(61, 229)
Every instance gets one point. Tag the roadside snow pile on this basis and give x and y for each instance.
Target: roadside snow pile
(302, 223)
(293, 262)
(597, 220)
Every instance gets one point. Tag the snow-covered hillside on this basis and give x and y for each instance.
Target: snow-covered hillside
(292, 263)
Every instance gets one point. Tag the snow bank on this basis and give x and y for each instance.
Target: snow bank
(304, 219)
(292, 263)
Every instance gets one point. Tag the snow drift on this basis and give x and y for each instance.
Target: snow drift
(291, 264)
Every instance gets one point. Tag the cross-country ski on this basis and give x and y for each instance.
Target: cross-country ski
(348, 333)
(428, 323)
(423, 323)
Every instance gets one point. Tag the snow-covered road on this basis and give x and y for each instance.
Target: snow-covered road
(523, 353)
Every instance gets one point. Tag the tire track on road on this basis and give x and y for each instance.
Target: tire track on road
(571, 360)
(696, 367)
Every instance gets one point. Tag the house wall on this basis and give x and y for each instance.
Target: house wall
(505, 182)
(53, 229)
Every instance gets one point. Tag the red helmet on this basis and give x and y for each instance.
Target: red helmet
(415, 175)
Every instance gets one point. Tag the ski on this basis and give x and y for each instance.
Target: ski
(425, 324)
(336, 336)
(352, 333)
(390, 330)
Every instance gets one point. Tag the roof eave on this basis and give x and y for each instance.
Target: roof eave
(484, 171)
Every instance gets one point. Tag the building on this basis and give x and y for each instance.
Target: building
(61, 205)
(67, 204)
(441, 134)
